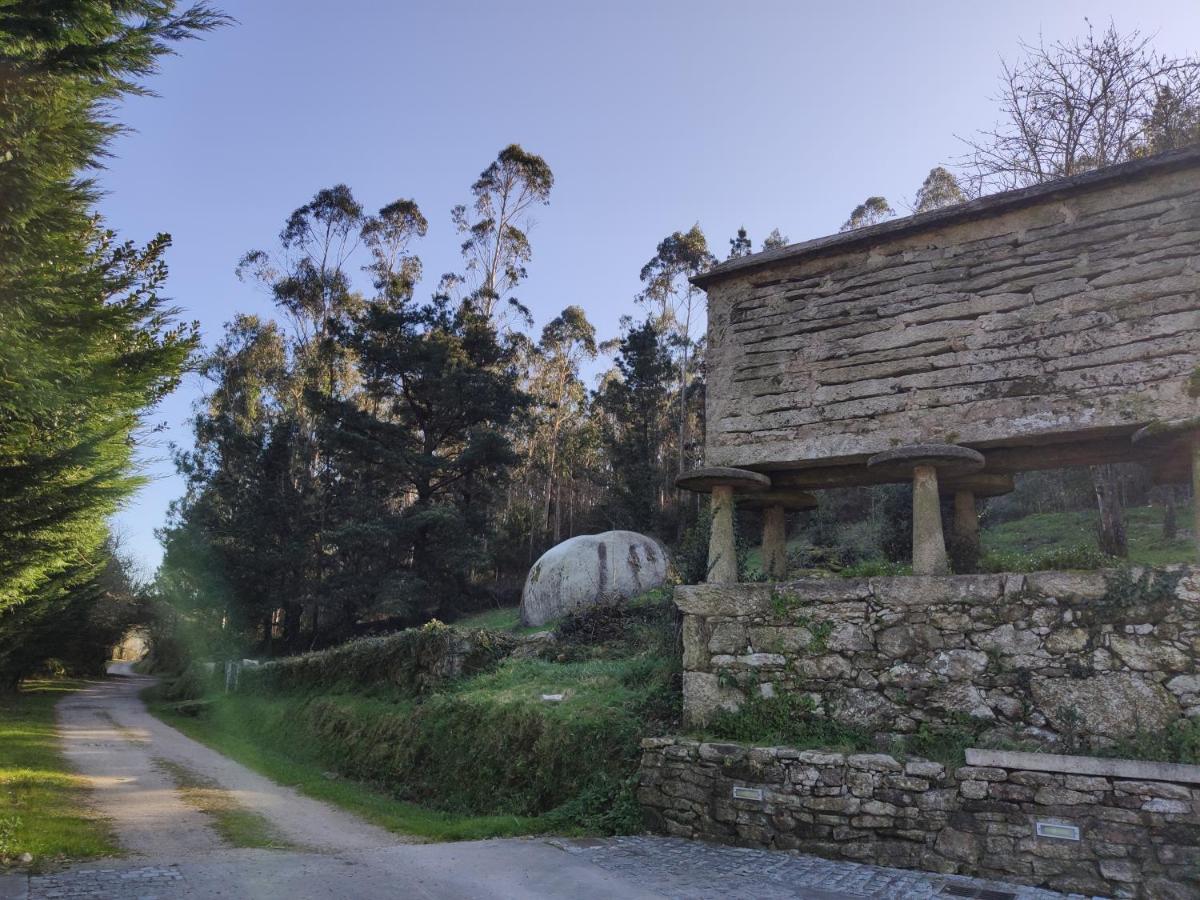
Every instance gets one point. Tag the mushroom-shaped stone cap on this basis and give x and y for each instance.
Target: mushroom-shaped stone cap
(1164, 434)
(948, 459)
(704, 480)
(981, 484)
(788, 499)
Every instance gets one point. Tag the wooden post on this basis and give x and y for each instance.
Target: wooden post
(774, 542)
(929, 543)
(722, 547)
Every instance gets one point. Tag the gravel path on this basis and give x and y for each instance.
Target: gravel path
(110, 737)
(173, 852)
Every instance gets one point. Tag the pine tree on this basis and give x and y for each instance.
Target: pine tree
(740, 245)
(87, 345)
(634, 402)
(775, 240)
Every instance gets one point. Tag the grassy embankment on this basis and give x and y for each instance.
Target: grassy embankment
(1047, 534)
(43, 805)
(487, 755)
(1060, 540)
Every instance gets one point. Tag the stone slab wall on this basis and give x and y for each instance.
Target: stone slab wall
(1075, 315)
(1138, 838)
(1078, 658)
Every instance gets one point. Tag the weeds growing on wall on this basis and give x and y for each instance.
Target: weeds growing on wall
(787, 720)
(1178, 743)
(875, 568)
(791, 720)
(946, 743)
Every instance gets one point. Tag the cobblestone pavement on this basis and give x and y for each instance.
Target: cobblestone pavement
(699, 871)
(636, 867)
(141, 882)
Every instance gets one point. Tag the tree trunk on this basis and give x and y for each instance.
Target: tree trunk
(557, 512)
(291, 626)
(1106, 482)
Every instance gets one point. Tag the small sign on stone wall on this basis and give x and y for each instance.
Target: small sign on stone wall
(745, 793)
(1058, 831)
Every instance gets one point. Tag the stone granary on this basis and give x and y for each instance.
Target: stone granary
(1053, 326)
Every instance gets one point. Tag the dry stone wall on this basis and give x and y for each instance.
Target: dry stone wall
(1138, 824)
(1074, 313)
(1053, 657)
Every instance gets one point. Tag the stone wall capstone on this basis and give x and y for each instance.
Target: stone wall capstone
(1074, 658)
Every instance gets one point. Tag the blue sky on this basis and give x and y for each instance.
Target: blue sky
(653, 116)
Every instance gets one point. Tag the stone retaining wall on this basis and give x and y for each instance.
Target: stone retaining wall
(1138, 824)
(1069, 658)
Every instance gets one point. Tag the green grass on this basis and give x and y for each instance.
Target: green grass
(237, 826)
(301, 767)
(506, 618)
(43, 805)
(1063, 531)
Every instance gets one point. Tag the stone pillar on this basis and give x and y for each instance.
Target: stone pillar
(721, 482)
(966, 519)
(722, 545)
(929, 543)
(921, 463)
(1175, 447)
(1195, 459)
(774, 542)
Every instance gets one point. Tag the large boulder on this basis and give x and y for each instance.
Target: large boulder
(589, 570)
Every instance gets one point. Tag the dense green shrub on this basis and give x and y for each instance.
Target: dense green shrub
(193, 683)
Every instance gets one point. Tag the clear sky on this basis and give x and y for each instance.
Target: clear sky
(653, 115)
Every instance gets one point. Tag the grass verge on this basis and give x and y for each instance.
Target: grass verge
(43, 805)
(224, 731)
(237, 826)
